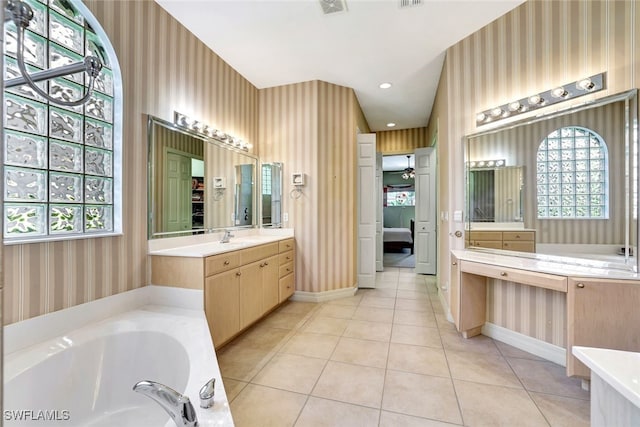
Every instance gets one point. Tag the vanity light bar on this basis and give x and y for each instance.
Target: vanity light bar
(187, 122)
(558, 94)
(479, 164)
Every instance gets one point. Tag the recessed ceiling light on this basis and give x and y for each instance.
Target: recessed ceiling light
(385, 85)
(390, 125)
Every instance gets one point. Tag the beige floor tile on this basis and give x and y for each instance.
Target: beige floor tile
(297, 307)
(392, 419)
(387, 284)
(312, 345)
(266, 407)
(547, 377)
(419, 360)
(328, 413)
(415, 318)
(379, 302)
(325, 325)
(361, 352)
(283, 320)
(242, 363)
(444, 324)
(373, 314)
(416, 335)
(422, 396)
(232, 387)
(359, 385)
(509, 351)
(351, 301)
(489, 405)
(563, 411)
(413, 304)
(415, 295)
(290, 372)
(263, 337)
(481, 368)
(374, 331)
(453, 340)
(380, 292)
(335, 310)
(412, 286)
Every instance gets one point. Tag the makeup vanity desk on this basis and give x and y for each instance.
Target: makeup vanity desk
(601, 303)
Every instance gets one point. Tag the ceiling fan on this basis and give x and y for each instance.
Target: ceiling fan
(408, 172)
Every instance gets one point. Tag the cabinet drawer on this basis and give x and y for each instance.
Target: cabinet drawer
(223, 262)
(286, 257)
(286, 245)
(491, 244)
(485, 235)
(286, 269)
(256, 253)
(541, 280)
(528, 236)
(520, 246)
(286, 287)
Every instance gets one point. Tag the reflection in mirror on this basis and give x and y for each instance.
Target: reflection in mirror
(271, 194)
(568, 183)
(192, 182)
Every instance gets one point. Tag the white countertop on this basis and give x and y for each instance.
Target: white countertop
(551, 264)
(204, 245)
(619, 369)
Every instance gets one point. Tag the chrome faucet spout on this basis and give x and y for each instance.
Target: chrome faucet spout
(227, 237)
(177, 405)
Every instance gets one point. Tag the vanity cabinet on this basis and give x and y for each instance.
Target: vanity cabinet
(286, 285)
(601, 313)
(512, 240)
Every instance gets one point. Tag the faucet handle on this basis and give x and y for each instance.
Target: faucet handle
(206, 394)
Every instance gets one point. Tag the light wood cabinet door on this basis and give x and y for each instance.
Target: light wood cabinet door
(250, 293)
(270, 291)
(222, 306)
(601, 313)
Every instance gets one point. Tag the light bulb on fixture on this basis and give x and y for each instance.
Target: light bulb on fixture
(515, 106)
(499, 162)
(480, 117)
(559, 92)
(496, 112)
(585, 84)
(535, 100)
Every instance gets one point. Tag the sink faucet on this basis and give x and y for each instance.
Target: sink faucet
(178, 406)
(227, 236)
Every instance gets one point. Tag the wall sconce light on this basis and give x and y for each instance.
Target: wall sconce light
(207, 131)
(486, 164)
(558, 94)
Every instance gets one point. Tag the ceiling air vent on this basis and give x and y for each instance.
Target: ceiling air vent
(410, 3)
(333, 6)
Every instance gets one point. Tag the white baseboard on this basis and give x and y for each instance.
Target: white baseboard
(318, 297)
(540, 348)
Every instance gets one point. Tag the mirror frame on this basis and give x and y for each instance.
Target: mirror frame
(272, 224)
(630, 98)
(152, 183)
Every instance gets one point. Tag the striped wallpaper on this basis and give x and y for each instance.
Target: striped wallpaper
(539, 45)
(311, 128)
(401, 141)
(164, 68)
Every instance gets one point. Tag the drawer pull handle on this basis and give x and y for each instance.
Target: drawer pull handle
(261, 265)
(503, 273)
(226, 263)
(454, 263)
(238, 274)
(266, 263)
(580, 285)
(288, 257)
(517, 236)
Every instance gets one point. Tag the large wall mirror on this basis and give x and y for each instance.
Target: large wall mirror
(564, 184)
(197, 184)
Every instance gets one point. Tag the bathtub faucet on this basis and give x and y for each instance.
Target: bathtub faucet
(178, 406)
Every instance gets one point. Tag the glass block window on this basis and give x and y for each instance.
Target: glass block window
(60, 161)
(266, 181)
(572, 175)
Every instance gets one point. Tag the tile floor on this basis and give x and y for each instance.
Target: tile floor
(388, 357)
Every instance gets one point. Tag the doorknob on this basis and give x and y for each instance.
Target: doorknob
(458, 233)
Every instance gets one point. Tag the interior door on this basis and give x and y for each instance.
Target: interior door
(379, 214)
(177, 193)
(425, 238)
(366, 210)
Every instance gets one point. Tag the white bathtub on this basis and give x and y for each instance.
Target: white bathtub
(85, 377)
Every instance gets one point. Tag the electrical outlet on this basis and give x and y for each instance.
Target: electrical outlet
(285, 217)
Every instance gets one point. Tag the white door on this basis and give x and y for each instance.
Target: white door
(379, 214)
(426, 204)
(366, 210)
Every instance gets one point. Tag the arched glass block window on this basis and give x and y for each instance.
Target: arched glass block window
(572, 175)
(62, 174)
